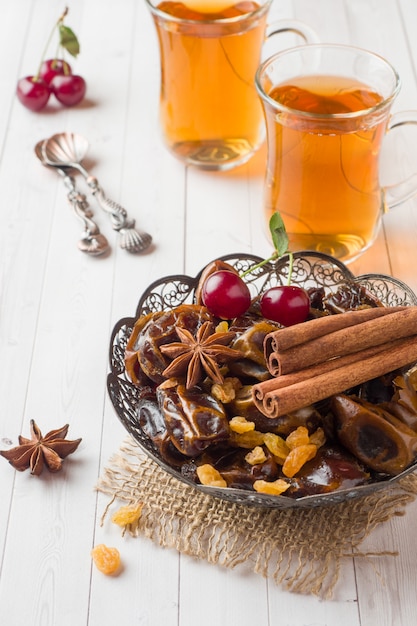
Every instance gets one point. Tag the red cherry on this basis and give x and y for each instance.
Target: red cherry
(54, 67)
(225, 294)
(33, 92)
(285, 304)
(69, 90)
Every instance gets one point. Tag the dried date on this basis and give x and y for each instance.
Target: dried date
(194, 419)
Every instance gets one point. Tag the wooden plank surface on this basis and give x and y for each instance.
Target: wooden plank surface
(57, 309)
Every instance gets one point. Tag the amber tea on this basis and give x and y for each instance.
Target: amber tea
(323, 174)
(209, 107)
(327, 108)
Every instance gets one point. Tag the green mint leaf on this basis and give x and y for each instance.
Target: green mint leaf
(68, 40)
(278, 234)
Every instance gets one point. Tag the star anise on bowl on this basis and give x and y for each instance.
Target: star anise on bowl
(201, 355)
(38, 451)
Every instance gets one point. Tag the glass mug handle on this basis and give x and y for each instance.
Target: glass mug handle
(406, 189)
(292, 26)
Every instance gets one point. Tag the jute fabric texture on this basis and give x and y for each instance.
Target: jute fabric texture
(300, 549)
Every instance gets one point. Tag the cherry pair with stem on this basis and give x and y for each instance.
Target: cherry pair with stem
(55, 75)
(226, 294)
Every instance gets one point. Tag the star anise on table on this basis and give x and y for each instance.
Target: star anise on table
(38, 451)
(199, 355)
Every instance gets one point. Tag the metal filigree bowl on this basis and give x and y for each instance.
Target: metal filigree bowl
(311, 269)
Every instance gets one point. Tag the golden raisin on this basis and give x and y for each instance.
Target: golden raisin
(277, 446)
(129, 514)
(106, 559)
(222, 327)
(255, 456)
(297, 457)
(273, 488)
(225, 392)
(249, 439)
(209, 476)
(299, 437)
(241, 425)
(318, 438)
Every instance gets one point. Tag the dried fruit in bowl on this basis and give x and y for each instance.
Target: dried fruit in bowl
(194, 419)
(333, 468)
(373, 435)
(152, 423)
(233, 467)
(250, 331)
(350, 297)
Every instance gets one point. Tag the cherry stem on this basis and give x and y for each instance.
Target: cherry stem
(290, 267)
(48, 43)
(273, 257)
(57, 52)
(280, 240)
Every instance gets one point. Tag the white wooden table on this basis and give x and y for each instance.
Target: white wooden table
(58, 306)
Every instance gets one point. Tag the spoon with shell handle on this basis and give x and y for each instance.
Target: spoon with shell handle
(68, 150)
(92, 241)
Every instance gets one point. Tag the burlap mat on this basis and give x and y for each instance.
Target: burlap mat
(301, 549)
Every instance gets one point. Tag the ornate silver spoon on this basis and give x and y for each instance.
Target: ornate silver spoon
(68, 150)
(92, 241)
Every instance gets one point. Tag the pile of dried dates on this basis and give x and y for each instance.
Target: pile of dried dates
(195, 372)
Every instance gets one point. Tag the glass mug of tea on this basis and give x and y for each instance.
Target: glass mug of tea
(327, 109)
(210, 50)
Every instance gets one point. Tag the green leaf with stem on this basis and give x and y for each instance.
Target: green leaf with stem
(280, 241)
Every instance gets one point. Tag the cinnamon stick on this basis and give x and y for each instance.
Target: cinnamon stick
(291, 336)
(311, 385)
(360, 334)
(309, 372)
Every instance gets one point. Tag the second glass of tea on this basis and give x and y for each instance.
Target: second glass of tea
(327, 109)
(210, 50)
